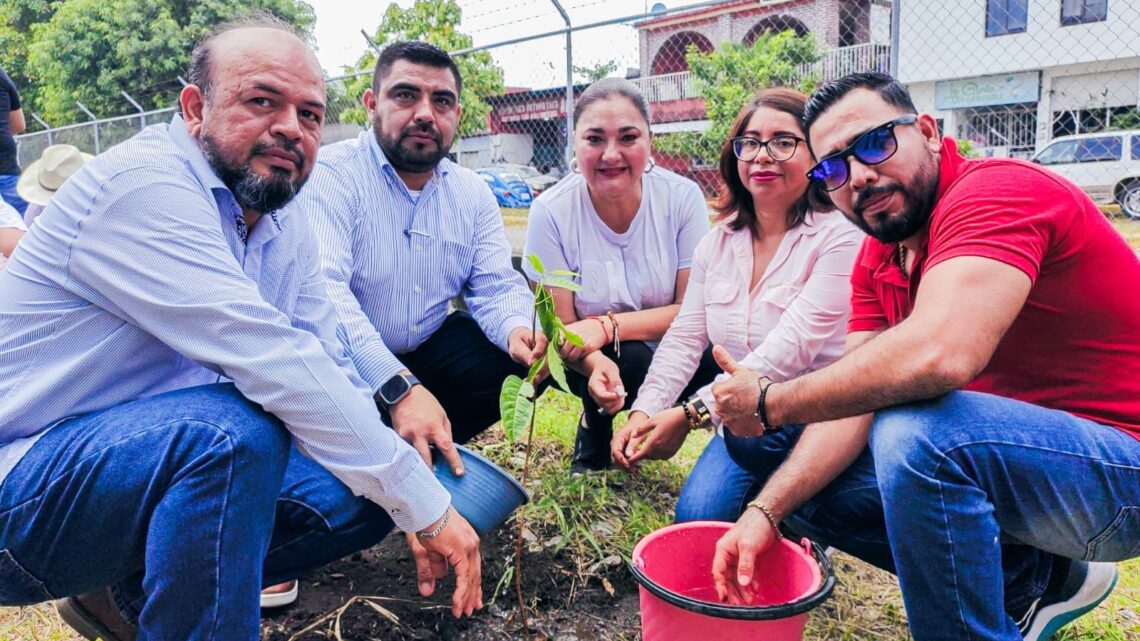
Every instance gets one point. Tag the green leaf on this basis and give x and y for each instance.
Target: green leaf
(572, 337)
(564, 272)
(535, 368)
(536, 263)
(561, 283)
(547, 319)
(515, 406)
(554, 361)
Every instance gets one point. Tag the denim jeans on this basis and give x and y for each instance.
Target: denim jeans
(186, 503)
(9, 195)
(717, 488)
(980, 496)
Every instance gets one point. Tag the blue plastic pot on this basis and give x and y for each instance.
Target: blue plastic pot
(485, 495)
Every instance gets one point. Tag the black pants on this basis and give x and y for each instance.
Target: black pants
(592, 444)
(465, 371)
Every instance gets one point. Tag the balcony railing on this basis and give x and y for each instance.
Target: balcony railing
(835, 63)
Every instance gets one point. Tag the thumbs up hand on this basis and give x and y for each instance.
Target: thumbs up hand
(736, 396)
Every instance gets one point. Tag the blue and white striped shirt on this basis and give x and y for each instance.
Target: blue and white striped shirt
(134, 282)
(393, 261)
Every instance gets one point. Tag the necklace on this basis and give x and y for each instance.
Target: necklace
(902, 260)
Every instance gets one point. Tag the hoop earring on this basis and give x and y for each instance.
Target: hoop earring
(649, 167)
(574, 165)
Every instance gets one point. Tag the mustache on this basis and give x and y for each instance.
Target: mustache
(425, 128)
(287, 146)
(870, 193)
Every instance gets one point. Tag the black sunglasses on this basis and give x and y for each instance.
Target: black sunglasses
(870, 148)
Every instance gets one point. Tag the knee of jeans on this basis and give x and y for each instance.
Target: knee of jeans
(901, 441)
(254, 437)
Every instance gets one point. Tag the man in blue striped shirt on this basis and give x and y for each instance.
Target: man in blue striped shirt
(403, 231)
(177, 418)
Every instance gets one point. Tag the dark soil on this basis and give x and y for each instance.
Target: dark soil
(562, 606)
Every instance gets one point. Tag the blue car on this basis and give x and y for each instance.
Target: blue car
(509, 188)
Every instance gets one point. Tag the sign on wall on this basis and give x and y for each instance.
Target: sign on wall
(1008, 89)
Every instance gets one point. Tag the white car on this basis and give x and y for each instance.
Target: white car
(1104, 164)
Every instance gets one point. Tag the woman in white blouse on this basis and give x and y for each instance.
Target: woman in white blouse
(629, 229)
(771, 284)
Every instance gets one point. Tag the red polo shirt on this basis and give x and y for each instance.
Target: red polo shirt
(1075, 345)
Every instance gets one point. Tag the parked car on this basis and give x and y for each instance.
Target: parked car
(537, 181)
(1104, 164)
(509, 188)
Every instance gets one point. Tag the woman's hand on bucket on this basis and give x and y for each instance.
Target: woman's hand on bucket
(736, 552)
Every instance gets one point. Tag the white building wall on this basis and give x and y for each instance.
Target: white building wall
(944, 39)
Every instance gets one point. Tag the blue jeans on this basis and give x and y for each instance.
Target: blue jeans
(9, 195)
(186, 503)
(717, 488)
(982, 495)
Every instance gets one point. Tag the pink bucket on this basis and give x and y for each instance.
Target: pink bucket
(678, 598)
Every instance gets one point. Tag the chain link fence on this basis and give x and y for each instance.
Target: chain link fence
(1006, 77)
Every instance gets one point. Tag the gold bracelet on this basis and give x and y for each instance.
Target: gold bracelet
(703, 416)
(768, 515)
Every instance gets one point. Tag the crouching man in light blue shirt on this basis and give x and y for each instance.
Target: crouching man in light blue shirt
(403, 231)
(177, 419)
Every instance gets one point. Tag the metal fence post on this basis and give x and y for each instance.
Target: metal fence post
(43, 124)
(95, 124)
(568, 155)
(136, 106)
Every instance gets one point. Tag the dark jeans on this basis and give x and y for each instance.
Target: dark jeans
(592, 444)
(465, 372)
(974, 499)
(8, 193)
(186, 503)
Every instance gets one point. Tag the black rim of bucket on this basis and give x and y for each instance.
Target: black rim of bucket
(742, 612)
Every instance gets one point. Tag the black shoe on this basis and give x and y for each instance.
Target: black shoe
(591, 449)
(1080, 590)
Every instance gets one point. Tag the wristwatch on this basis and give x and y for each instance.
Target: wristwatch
(396, 388)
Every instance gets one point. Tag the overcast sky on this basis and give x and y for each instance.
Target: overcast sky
(537, 64)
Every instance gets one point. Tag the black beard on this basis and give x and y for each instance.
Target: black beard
(251, 190)
(918, 203)
(407, 160)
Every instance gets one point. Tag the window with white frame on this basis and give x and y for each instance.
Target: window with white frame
(1082, 11)
(1006, 16)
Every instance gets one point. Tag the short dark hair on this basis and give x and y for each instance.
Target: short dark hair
(608, 88)
(415, 52)
(890, 90)
(735, 197)
(200, 72)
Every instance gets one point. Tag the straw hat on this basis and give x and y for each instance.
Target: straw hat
(43, 177)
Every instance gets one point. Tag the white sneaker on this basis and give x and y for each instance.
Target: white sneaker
(1076, 596)
(280, 599)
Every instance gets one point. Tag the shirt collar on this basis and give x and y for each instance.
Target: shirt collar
(385, 166)
(200, 167)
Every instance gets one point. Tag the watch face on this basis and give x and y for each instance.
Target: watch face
(394, 389)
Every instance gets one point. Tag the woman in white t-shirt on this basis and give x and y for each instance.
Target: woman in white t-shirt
(629, 229)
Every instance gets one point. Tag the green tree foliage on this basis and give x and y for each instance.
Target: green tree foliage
(593, 73)
(437, 22)
(63, 51)
(727, 77)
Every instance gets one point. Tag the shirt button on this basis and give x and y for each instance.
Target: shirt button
(419, 247)
(416, 289)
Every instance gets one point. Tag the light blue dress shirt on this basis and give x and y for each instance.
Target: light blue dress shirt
(134, 281)
(394, 260)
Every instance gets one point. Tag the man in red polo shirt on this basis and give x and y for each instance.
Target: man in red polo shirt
(993, 361)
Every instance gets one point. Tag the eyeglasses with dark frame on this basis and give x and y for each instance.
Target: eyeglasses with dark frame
(872, 147)
(780, 148)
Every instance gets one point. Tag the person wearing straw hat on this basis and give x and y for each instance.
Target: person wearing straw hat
(45, 176)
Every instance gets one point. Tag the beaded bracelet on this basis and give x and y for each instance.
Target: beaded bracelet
(762, 407)
(693, 422)
(768, 515)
